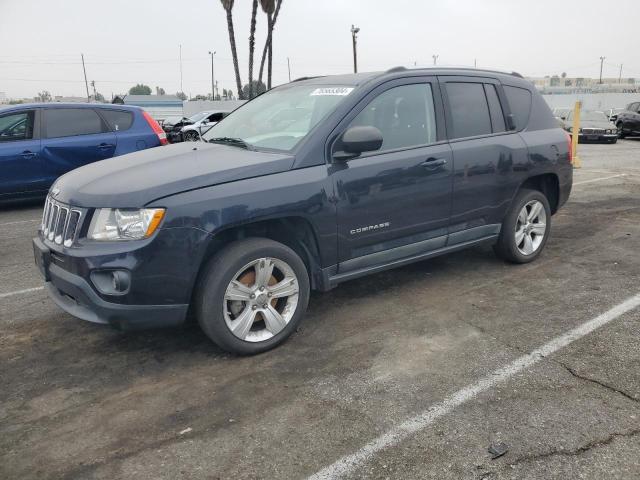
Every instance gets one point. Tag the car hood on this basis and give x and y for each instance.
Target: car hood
(136, 179)
(596, 124)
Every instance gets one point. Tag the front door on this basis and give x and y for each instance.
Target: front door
(20, 162)
(394, 203)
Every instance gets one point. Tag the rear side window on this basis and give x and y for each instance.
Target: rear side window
(497, 117)
(469, 109)
(216, 117)
(16, 126)
(68, 122)
(520, 102)
(118, 120)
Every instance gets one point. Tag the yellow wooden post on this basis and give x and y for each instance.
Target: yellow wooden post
(575, 132)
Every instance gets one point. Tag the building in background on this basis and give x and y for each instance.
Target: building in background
(158, 106)
(3, 98)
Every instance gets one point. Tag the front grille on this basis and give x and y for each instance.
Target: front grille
(60, 222)
(593, 131)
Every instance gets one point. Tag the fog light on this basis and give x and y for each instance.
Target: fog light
(111, 282)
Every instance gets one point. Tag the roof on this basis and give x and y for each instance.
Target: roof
(22, 106)
(356, 79)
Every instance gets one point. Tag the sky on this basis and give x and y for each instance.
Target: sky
(138, 41)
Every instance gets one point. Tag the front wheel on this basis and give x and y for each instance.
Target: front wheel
(621, 133)
(252, 295)
(526, 228)
(191, 136)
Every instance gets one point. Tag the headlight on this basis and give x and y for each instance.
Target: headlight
(124, 223)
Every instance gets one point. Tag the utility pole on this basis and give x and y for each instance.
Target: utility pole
(475, 63)
(601, 63)
(435, 59)
(289, 68)
(354, 33)
(216, 89)
(213, 93)
(181, 90)
(86, 84)
(95, 95)
(620, 77)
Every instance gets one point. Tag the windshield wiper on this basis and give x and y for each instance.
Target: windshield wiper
(236, 142)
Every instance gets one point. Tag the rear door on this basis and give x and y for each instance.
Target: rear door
(72, 137)
(394, 203)
(485, 155)
(20, 163)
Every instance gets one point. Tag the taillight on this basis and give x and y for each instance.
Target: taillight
(570, 147)
(157, 129)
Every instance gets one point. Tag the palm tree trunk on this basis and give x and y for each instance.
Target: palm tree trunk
(252, 45)
(268, 43)
(234, 53)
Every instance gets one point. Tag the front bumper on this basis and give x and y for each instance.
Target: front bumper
(76, 296)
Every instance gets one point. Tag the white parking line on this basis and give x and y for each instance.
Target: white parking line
(349, 463)
(599, 179)
(21, 221)
(20, 292)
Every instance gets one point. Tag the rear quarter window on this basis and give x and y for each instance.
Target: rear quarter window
(520, 103)
(118, 120)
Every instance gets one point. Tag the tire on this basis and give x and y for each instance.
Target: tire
(191, 136)
(240, 270)
(613, 140)
(512, 244)
(621, 133)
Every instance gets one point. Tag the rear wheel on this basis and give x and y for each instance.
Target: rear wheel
(526, 228)
(252, 295)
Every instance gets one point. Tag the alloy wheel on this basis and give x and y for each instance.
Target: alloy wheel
(261, 299)
(531, 227)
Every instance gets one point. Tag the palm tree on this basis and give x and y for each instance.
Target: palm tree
(271, 8)
(252, 45)
(228, 6)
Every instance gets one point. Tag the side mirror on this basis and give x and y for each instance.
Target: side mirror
(357, 140)
(511, 122)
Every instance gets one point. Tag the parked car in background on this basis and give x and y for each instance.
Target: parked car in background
(628, 121)
(594, 127)
(358, 174)
(40, 142)
(205, 121)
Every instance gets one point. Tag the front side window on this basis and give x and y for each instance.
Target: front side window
(16, 126)
(405, 115)
(469, 109)
(280, 118)
(67, 122)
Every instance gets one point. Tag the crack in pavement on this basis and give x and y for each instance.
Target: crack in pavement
(578, 451)
(596, 382)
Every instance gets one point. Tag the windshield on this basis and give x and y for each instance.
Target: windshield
(281, 118)
(197, 116)
(590, 116)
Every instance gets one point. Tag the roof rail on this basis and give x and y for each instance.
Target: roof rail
(306, 78)
(516, 74)
(396, 69)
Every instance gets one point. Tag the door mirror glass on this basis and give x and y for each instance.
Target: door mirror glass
(361, 139)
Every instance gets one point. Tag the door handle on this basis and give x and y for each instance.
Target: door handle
(28, 154)
(104, 146)
(434, 162)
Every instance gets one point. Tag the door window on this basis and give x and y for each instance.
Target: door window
(495, 110)
(16, 126)
(469, 109)
(67, 122)
(405, 115)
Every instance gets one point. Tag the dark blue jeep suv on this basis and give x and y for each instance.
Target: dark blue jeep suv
(316, 182)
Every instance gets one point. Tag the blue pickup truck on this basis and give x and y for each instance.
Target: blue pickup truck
(42, 141)
(311, 184)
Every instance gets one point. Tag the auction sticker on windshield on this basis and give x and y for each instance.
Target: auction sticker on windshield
(339, 91)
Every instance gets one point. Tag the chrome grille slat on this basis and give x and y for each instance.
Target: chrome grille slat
(60, 223)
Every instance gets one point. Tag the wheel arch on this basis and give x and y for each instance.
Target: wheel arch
(548, 184)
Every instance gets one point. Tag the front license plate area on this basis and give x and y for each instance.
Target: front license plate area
(42, 258)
